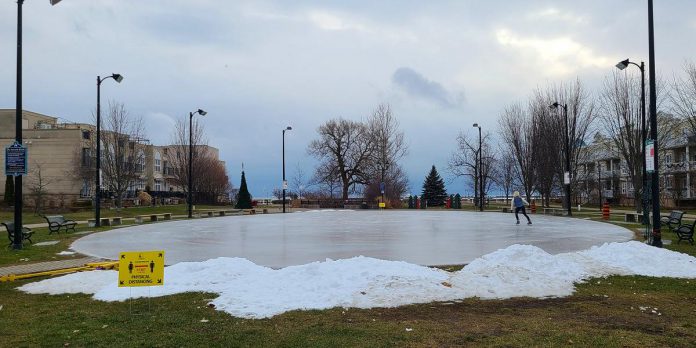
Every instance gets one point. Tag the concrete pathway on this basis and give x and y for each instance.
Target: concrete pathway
(47, 266)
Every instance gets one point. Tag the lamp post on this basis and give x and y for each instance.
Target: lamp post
(480, 168)
(190, 164)
(285, 183)
(18, 130)
(623, 65)
(384, 166)
(566, 175)
(655, 187)
(97, 180)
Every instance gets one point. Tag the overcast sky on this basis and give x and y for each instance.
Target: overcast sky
(259, 66)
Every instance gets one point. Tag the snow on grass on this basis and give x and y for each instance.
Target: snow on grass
(251, 291)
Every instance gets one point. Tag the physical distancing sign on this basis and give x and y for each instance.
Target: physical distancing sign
(141, 268)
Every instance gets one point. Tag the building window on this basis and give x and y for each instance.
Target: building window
(158, 185)
(158, 162)
(668, 158)
(86, 157)
(85, 134)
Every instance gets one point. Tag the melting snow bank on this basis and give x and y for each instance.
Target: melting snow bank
(251, 291)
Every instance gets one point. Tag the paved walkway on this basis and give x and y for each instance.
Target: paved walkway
(47, 266)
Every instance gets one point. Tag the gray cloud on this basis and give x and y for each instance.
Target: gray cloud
(420, 86)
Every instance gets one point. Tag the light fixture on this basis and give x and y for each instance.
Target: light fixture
(622, 64)
(117, 77)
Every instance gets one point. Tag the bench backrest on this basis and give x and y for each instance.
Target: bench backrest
(676, 214)
(57, 218)
(9, 226)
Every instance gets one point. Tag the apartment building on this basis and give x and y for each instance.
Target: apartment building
(56, 153)
(62, 156)
(603, 172)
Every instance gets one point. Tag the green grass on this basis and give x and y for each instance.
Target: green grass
(602, 312)
(28, 217)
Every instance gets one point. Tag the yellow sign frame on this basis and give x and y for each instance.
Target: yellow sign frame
(141, 268)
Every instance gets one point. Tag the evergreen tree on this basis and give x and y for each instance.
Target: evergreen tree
(9, 190)
(243, 197)
(410, 202)
(458, 201)
(434, 189)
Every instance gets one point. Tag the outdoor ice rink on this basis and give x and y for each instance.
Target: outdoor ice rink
(420, 237)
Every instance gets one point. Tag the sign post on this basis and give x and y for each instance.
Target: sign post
(16, 159)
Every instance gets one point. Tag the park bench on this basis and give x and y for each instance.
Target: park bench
(633, 217)
(686, 232)
(56, 222)
(26, 232)
(115, 221)
(673, 220)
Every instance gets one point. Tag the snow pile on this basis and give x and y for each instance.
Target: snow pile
(251, 291)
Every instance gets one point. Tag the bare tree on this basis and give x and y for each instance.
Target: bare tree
(214, 185)
(326, 180)
(504, 173)
(621, 120)
(683, 96)
(177, 155)
(518, 136)
(464, 162)
(123, 158)
(548, 144)
(299, 181)
(344, 148)
(389, 148)
(581, 116)
(37, 184)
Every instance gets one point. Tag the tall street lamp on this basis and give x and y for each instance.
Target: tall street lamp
(480, 168)
(285, 183)
(97, 187)
(190, 164)
(655, 187)
(623, 65)
(566, 175)
(18, 130)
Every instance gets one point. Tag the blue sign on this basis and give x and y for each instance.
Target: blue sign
(381, 187)
(16, 159)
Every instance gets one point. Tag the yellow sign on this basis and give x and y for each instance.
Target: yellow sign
(382, 205)
(141, 268)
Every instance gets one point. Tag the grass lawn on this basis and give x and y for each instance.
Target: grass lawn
(28, 217)
(613, 312)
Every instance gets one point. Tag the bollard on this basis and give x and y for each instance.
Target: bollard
(605, 211)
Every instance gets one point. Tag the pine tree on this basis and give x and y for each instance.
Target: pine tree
(410, 202)
(9, 190)
(434, 189)
(243, 197)
(458, 201)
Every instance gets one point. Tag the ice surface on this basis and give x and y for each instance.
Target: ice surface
(420, 237)
(251, 291)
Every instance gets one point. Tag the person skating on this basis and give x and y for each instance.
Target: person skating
(518, 203)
